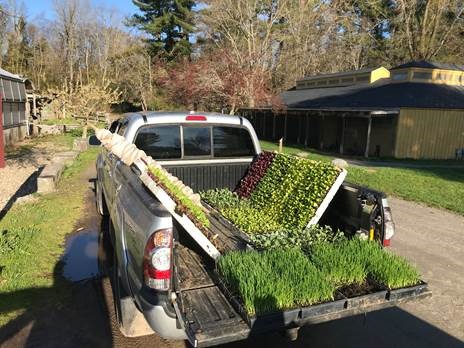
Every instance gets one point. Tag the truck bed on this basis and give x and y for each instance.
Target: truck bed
(211, 315)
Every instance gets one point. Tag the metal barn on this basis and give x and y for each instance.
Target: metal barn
(14, 99)
(415, 110)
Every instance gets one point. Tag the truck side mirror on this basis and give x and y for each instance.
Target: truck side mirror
(93, 141)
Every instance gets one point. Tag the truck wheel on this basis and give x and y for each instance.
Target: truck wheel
(102, 208)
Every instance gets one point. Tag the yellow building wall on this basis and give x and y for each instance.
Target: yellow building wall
(429, 133)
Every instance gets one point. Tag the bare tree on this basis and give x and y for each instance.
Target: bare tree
(425, 27)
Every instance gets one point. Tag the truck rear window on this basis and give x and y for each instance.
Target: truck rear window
(164, 141)
(232, 142)
(197, 141)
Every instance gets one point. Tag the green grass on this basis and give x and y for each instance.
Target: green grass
(266, 282)
(60, 142)
(433, 186)
(32, 241)
(436, 187)
(295, 150)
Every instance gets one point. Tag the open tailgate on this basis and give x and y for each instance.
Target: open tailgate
(211, 315)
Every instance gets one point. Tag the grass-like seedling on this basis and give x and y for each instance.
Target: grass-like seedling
(184, 203)
(391, 270)
(343, 263)
(274, 280)
(350, 262)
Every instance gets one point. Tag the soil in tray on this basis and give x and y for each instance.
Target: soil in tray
(365, 288)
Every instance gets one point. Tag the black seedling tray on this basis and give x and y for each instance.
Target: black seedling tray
(264, 322)
(338, 304)
(375, 295)
(412, 291)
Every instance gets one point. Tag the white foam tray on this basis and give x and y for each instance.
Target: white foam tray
(183, 219)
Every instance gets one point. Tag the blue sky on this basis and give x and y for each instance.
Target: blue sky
(44, 8)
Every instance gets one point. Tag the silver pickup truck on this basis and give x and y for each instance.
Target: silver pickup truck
(181, 299)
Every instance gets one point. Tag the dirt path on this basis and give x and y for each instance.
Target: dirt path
(24, 162)
(429, 237)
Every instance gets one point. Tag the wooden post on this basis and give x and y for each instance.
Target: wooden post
(285, 126)
(2, 145)
(366, 153)
(342, 138)
(281, 145)
(306, 129)
(321, 133)
(264, 115)
(273, 125)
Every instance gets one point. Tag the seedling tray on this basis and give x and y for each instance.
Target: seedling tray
(412, 291)
(338, 304)
(376, 294)
(170, 205)
(260, 322)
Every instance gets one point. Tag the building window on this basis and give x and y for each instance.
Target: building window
(362, 79)
(422, 75)
(400, 76)
(333, 82)
(348, 80)
(322, 83)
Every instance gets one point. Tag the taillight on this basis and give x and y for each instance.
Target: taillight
(196, 118)
(389, 225)
(157, 260)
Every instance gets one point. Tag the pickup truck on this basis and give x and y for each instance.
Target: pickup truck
(186, 301)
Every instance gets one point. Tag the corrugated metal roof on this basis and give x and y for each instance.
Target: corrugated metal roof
(429, 65)
(4, 73)
(382, 95)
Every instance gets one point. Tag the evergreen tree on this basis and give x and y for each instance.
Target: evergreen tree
(169, 24)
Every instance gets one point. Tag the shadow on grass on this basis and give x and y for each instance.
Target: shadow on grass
(66, 314)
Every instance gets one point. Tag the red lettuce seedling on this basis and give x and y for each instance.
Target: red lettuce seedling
(254, 175)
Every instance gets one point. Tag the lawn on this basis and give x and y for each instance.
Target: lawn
(32, 241)
(433, 186)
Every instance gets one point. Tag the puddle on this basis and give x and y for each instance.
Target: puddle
(81, 256)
